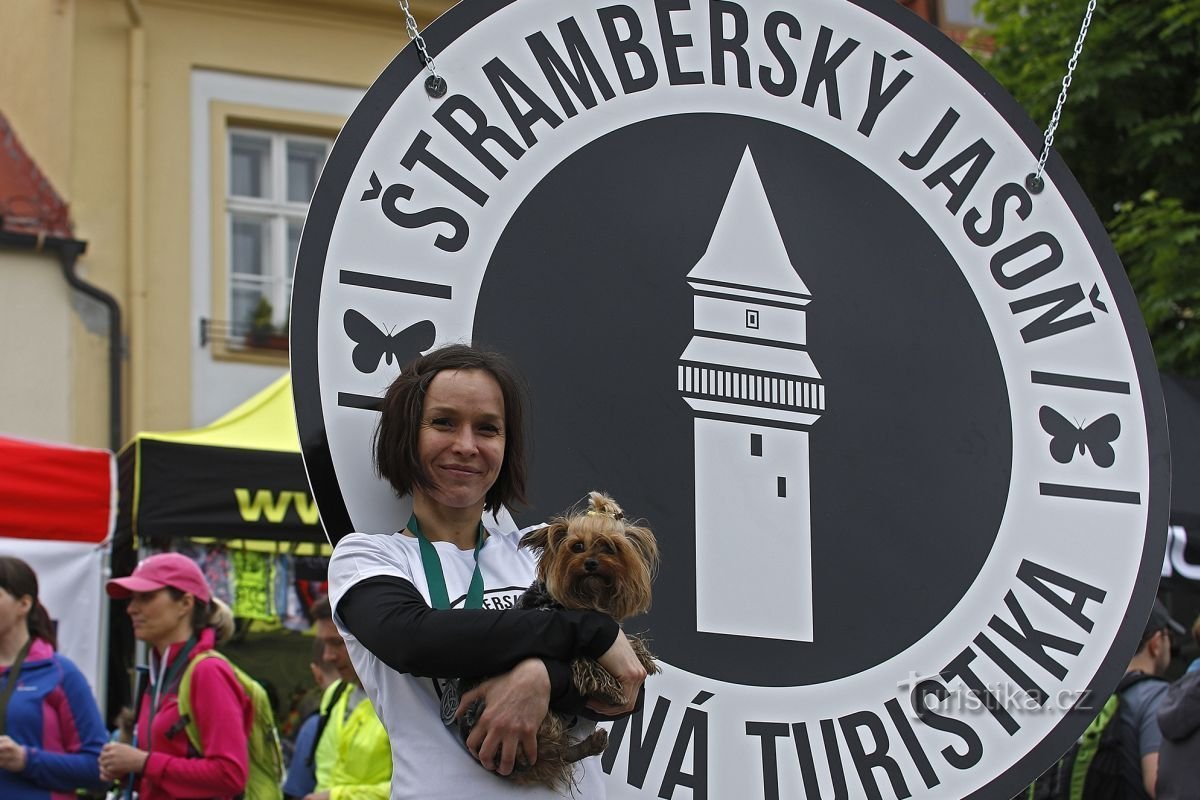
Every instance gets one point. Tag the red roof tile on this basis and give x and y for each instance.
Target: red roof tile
(28, 203)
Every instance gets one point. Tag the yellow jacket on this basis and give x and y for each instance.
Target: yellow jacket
(354, 756)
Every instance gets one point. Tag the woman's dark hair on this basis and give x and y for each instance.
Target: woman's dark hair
(18, 579)
(396, 456)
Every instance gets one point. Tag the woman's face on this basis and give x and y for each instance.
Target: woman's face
(461, 442)
(13, 611)
(158, 618)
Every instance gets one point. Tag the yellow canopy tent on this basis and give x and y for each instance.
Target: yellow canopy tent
(240, 481)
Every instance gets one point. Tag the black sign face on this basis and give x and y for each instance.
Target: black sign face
(930, 450)
(777, 285)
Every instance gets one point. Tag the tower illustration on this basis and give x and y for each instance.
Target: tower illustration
(755, 393)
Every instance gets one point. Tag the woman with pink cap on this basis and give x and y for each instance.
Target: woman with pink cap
(172, 610)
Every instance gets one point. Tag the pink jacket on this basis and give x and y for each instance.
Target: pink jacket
(223, 715)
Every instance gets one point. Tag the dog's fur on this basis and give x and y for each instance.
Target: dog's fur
(592, 560)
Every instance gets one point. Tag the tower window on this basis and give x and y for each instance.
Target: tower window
(752, 318)
(756, 444)
(782, 485)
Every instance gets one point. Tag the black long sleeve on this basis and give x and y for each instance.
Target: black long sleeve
(391, 619)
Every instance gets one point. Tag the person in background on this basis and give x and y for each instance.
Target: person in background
(354, 746)
(172, 610)
(1179, 755)
(1141, 738)
(50, 728)
(1195, 665)
(301, 777)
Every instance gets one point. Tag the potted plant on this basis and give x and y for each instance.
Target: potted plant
(261, 323)
(278, 340)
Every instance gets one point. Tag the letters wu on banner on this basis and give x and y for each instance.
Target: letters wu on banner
(776, 282)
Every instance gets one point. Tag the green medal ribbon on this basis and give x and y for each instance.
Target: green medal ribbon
(432, 564)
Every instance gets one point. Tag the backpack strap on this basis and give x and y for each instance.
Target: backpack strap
(1134, 678)
(186, 722)
(323, 720)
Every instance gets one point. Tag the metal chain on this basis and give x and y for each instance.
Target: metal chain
(435, 84)
(1034, 181)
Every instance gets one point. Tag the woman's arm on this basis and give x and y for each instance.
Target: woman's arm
(220, 709)
(390, 618)
(79, 720)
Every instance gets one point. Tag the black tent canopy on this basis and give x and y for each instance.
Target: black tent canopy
(239, 478)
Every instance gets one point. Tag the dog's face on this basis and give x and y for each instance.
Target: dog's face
(596, 562)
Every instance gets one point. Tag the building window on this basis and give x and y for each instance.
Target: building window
(271, 178)
(960, 14)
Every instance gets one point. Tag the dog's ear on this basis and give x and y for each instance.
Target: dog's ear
(542, 540)
(643, 539)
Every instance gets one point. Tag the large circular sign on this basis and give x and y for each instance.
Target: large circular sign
(777, 284)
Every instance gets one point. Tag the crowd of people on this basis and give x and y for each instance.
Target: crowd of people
(451, 437)
(190, 732)
(405, 613)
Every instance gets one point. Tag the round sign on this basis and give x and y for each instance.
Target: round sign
(778, 285)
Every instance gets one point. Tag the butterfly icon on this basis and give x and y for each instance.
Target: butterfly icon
(372, 344)
(1066, 436)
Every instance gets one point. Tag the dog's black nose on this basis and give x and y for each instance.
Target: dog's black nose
(591, 565)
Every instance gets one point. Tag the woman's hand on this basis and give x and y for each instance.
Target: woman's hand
(623, 664)
(515, 704)
(118, 760)
(12, 755)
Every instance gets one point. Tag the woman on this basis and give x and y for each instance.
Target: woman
(50, 728)
(173, 611)
(417, 606)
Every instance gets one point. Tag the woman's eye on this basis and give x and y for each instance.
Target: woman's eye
(440, 422)
(577, 547)
(489, 430)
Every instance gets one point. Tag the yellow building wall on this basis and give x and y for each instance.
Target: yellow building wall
(99, 92)
(131, 177)
(36, 54)
(52, 389)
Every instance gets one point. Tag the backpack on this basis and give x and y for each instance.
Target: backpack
(1098, 766)
(265, 776)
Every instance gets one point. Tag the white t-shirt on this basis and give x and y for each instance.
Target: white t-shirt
(429, 759)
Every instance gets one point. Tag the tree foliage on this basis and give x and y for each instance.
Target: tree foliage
(1130, 133)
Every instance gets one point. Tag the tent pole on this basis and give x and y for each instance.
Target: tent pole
(102, 652)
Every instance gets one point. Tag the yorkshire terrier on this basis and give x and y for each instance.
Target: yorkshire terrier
(596, 561)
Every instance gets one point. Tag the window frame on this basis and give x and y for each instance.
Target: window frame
(945, 22)
(279, 126)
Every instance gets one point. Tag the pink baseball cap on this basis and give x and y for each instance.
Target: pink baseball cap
(159, 571)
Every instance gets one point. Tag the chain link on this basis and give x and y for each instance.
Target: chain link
(1034, 181)
(435, 84)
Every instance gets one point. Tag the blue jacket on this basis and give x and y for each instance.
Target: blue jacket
(52, 713)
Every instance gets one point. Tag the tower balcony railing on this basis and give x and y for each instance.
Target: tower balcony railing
(748, 386)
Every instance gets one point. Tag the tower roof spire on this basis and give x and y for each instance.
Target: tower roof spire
(746, 247)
